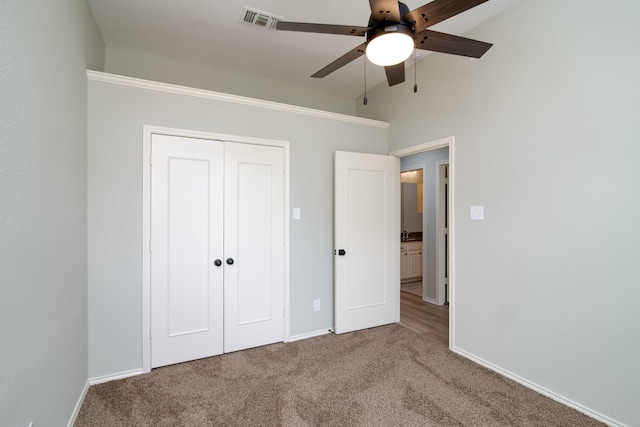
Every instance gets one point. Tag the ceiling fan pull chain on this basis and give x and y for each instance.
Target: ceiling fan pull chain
(415, 70)
(364, 100)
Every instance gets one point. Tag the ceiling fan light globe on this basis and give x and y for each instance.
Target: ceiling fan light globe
(389, 48)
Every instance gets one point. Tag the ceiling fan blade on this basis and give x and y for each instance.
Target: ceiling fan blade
(437, 11)
(344, 30)
(385, 10)
(342, 61)
(448, 43)
(395, 73)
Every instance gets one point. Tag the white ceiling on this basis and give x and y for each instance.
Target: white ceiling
(209, 32)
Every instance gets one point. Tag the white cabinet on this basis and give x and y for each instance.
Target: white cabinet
(403, 264)
(410, 260)
(414, 264)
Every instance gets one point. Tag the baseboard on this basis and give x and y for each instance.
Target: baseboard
(76, 409)
(545, 392)
(430, 300)
(309, 335)
(118, 376)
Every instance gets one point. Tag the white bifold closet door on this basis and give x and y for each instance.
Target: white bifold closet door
(217, 247)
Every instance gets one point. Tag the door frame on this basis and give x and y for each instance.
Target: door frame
(428, 146)
(440, 235)
(148, 132)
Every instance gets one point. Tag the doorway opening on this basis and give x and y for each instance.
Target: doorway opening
(429, 309)
(412, 226)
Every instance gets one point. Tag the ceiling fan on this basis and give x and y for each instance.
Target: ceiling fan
(393, 32)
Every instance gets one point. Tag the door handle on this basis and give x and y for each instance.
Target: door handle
(342, 252)
(217, 262)
(230, 261)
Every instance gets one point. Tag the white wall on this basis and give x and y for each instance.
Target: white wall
(45, 49)
(117, 115)
(548, 140)
(428, 160)
(153, 67)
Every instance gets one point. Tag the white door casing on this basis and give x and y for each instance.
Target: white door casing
(367, 220)
(451, 269)
(214, 200)
(442, 232)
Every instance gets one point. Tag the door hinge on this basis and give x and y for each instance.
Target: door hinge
(149, 245)
(150, 333)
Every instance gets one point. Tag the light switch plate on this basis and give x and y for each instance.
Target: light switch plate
(296, 213)
(476, 213)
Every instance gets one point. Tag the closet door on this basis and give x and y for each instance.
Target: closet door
(186, 239)
(217, 247)
(254, 246)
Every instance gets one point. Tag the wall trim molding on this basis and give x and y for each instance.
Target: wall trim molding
(117, 376)
(76, 409)
(430, 300)
(225, 97)
(431, 145)
(309, 335)
(539, 389)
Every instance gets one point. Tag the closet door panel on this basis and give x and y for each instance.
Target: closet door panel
(254, 239)
(186, 237)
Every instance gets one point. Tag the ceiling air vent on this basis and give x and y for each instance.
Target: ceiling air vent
(261, 19)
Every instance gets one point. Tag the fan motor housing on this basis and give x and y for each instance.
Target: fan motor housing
(403, 9)
(387, 27)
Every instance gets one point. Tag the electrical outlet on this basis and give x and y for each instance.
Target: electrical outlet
(316, 305)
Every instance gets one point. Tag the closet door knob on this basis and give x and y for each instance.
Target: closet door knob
(230, 261)
(217, 262)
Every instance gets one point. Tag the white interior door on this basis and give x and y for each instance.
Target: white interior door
(367, 220)
(254, 239)
(186, 236)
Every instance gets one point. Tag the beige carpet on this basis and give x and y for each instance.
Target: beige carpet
(386, 376)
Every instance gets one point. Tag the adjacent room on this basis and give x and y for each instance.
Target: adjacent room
(127, 125)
